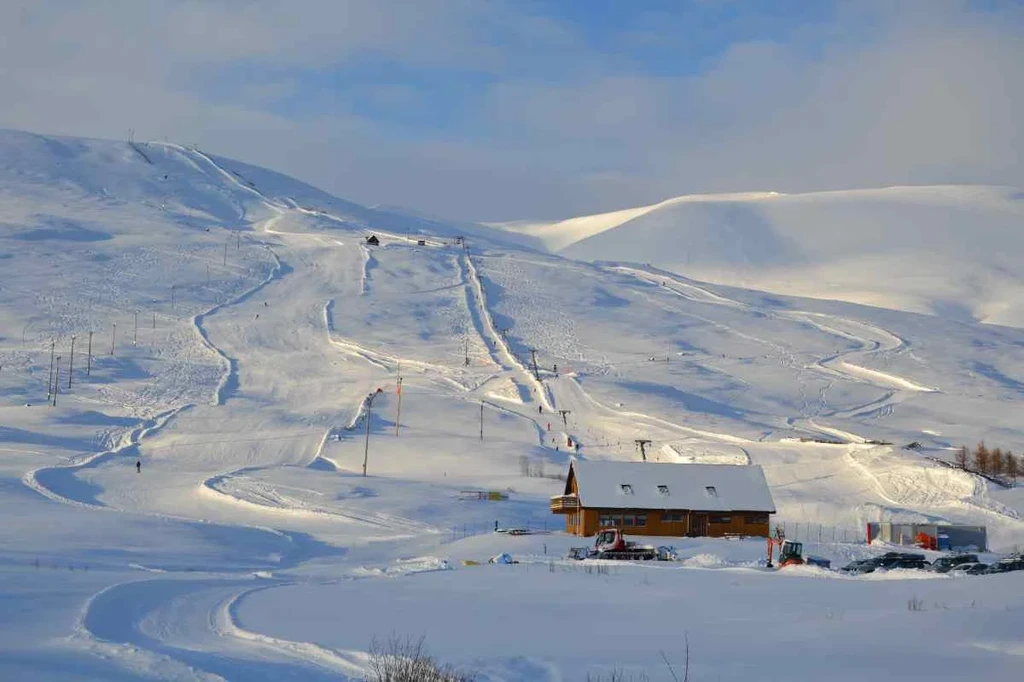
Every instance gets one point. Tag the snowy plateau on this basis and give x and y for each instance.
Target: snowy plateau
(229, 324)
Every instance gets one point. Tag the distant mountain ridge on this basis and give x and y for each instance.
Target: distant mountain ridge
(193, 183)
(947, 250)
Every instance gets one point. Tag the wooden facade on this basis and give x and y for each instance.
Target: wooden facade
(586, 521)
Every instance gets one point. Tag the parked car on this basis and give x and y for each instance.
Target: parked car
(891, 559)
(944, 564)
(973, 568)
(860, 566)
(909, 562)
(1006, 566)
(887, 560)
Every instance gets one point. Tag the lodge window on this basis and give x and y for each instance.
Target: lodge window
(619, 520)
(755, 518)
(720, 519)
(671, 517)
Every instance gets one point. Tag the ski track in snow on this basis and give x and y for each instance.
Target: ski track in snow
(140, 624)
(884, 342)
(239, 488)
(500, 352)
(129, 442)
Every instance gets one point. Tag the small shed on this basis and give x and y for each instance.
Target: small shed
(935, 535)
(644, 498)
(372, 240)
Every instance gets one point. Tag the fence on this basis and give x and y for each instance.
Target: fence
(801, 531)
(534, 526)
(809, 532)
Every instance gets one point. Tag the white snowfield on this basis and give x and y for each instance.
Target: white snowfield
(946, 250)
(253, 322)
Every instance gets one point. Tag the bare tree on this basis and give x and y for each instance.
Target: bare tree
(996, 462)
(981, 457)
(1012, 467)
(962, 456)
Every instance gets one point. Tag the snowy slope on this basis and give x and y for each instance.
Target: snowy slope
(945, 250)
(265, 321)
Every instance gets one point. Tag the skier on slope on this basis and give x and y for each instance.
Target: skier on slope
(138, 466)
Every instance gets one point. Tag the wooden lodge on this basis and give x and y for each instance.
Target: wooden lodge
(645, 498)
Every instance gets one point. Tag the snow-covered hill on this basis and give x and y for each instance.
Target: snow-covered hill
(229, 324)
(952, 251)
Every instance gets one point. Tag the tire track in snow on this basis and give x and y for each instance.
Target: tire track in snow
(387, 363)
(832, 366)
(226, 623)
(489, 333)
(238, 488)
(584, 398)
(129, 442)
(228, 384)
(182, 629)
(918, 483)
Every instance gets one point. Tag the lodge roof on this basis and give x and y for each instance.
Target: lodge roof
(649, 485)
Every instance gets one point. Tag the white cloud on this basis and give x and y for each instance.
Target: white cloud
(905, 93)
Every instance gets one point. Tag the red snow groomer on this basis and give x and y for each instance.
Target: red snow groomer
(610, 544)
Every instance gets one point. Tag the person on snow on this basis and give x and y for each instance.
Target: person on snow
(138, 466)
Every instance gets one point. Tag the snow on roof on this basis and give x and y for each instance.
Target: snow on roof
(648, 485)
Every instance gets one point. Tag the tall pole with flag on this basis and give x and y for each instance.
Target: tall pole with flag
(369, 408)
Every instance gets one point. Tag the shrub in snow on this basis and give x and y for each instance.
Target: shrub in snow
(405, 660)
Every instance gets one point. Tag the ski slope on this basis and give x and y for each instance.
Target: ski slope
(265, 321)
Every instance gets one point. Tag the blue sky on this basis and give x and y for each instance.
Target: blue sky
(505, 109)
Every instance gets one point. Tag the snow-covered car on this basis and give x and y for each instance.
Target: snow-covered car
(969, 569)
(944, 564)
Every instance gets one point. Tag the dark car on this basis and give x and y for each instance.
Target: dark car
(944, 564)
(890, 559)
(1006, 566)
(909, 562)
(861, 566)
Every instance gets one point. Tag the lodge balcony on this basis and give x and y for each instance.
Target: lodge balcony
(565, 504)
